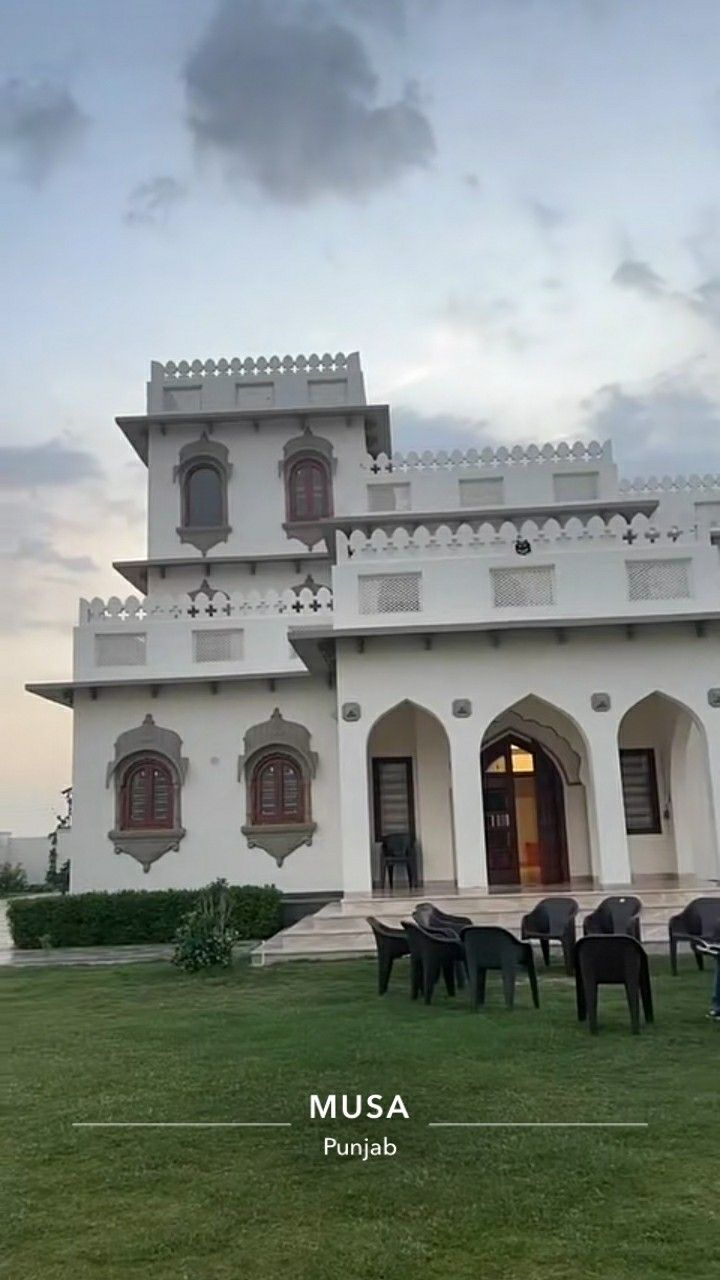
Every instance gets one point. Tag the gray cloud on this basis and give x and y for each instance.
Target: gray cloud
(286, 97)
(670, 425)
(41, 126)
(150, 203)
(41, 551)
(435, 431)
(545, 216)
(390, 14)
(703, 301)
(52, 463)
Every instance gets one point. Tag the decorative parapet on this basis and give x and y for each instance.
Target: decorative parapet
(482, 536)
(218, 604)
(669, 484)
(518, 455)
(258, 367)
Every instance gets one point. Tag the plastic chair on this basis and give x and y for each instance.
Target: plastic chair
(431, 954)
(615, 959)
(391, 945)
(490, 947)
(398, 850)
(553, 920)
(699, 921)
(430, 917)
(615, 915)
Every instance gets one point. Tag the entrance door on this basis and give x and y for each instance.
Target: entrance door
(393, 803)
(524, 805)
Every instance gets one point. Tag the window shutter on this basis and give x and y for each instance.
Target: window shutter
(639, 783)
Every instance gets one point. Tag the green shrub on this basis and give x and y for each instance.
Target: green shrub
(134, 916)
(206, 935)
(12, 879)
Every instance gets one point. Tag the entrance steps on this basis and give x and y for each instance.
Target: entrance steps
(340, 930)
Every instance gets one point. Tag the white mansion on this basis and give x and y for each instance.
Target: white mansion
(507, 660)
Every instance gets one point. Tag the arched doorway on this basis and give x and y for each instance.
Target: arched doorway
(525, 833)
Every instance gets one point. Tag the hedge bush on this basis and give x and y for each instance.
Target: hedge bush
(133, 916)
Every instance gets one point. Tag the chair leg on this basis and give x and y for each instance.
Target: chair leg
(633, 998)
(591, 997)
(508, 981)
(477, 982)
(673, 955)
(460, 974)
(390, 873)
(567, 948)
(532, 975)
(580, 996)
(448, 971)
(416, 978)
(385, 964)
(699, 960)
(545, 948)
(431, 973)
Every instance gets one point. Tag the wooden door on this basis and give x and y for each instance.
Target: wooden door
(552, 835)
(501, 846)
(393, 801)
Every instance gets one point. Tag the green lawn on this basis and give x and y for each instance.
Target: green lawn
(148, 1043)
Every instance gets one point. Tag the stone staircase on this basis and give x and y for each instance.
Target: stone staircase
(340, 930)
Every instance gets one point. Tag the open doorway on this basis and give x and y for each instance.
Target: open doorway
(525, 835)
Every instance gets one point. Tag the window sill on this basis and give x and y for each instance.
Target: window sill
(279, 839)
(148, 844)
(204, 537)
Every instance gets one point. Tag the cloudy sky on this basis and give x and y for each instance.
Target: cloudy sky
(511, 207)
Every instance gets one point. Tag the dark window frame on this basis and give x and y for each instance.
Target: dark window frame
(149, 821)
(204, 464)
(281, 815)
(317, 464)
(648, 754)
(377, 763)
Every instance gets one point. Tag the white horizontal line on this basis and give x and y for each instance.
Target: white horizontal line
(538, 1124)
(182, 1124)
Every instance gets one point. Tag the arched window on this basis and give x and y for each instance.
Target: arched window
(278, 792)
(147, 796)
(203, 497)
(308, 490)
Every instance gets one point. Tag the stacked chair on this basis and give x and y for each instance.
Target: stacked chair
(698, 922)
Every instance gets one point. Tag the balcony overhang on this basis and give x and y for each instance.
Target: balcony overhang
(316, 646)
(64, 691)
(136, 571)
(376, 418)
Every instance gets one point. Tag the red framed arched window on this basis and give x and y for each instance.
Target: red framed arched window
(147, 796)
(278, 792)
(308, 490)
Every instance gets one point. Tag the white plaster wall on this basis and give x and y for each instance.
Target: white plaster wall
(495, 678)
(213, 800)
(256, 488)
(439, 489)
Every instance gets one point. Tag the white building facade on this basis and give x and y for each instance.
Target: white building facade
(509, 656)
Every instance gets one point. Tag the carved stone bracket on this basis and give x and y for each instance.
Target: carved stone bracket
(279, 840)
(713, 697)
(146, 847)
(462, 708)
(600, 701)
(351, 711)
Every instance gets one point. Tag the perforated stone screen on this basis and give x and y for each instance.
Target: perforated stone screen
(581, 487)
(222, 645)
(482, 492)
(389, 593)
(121, 649)
(658, 579)
(523, 588)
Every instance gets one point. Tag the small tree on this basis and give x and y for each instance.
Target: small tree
(57, 877)
(205, 937)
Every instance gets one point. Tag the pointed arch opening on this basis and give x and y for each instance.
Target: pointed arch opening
(410, 795)
(533, 769)
(666, 791)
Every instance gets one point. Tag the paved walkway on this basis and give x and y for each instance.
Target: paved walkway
(84, 957)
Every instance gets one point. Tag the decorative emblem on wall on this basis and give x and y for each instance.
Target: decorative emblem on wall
(714, 697)
(600, 701)
(351, 711)
(462, 708)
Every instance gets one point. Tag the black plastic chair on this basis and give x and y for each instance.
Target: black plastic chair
(615, 915)
(430, 917)
(553, 920)
(613, 959)
(398, 850)
(490, 947)
(431, 954)
(699, 921)
(391, 945)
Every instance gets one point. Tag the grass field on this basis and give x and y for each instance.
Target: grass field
(148, 1043)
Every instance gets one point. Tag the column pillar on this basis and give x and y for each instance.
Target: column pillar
(355, 837)
(467, 806)
(711, 724)
(606, 810)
